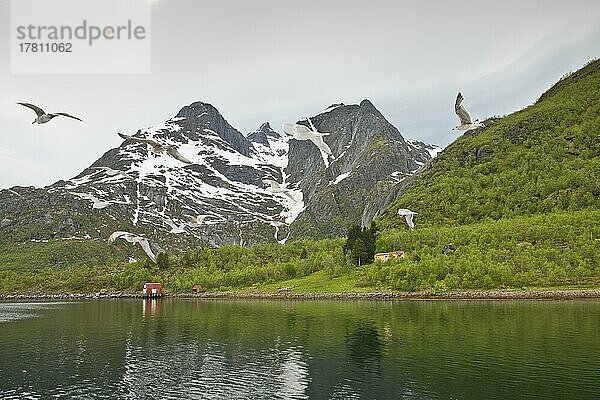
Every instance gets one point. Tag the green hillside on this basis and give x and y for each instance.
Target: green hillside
(542, 159)
(514, 204)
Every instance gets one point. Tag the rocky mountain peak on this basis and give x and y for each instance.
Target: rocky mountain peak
(266, 127)
(369, 163)
(155, 194)
(262, 134)
(366, 103)
(199, 119)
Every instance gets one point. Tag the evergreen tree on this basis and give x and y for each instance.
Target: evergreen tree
(359, 252)
(360, 244)
(162, 261)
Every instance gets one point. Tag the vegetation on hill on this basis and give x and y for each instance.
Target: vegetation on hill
(542, 159)
(557, 249)
(514, 204)
(360, 244)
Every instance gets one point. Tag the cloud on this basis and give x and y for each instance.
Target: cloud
(18, 169)
(270, 60)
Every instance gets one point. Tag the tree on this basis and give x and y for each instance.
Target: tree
(360, 244)
(162, 261)
(359, 252)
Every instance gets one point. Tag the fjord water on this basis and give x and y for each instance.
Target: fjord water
(319, 350)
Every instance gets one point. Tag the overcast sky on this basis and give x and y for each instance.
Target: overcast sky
(281, 60)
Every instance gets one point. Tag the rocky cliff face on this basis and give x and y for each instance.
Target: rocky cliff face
(370, 162)
(136, 189)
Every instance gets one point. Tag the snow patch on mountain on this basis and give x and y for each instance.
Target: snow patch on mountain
(432, 149)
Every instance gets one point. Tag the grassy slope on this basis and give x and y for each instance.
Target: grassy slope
(515, 204)
(56, 254)
(542, 159)
(560, 249)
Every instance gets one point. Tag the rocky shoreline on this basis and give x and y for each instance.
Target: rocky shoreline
(462, 295)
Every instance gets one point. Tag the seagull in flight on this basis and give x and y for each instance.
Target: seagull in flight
(98, 204)
(113, 172)
(175, 229)
(302, 132)
(131, 238)
(43, 116)
(408, 215)
(466, 124)
(158, 148)
(195, 222)
(274, 187)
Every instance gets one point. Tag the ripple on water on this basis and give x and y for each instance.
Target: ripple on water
(229, 350)
(17, 311)
(209, 370)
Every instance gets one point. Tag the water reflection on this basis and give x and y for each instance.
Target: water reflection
(150, 307)
(363, 343)
(15, 311)
(329, 350)
(208, 370)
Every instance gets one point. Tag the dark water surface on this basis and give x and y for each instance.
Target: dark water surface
(202, 349)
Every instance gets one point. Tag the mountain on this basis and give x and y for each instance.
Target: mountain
(542, 159)
(371, 161)
(157, 193)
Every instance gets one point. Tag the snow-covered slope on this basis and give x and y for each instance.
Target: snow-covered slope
(224, 181)
(213, 185)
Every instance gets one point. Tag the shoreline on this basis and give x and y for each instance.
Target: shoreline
(563, 294)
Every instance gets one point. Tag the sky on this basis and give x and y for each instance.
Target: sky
(282, 60)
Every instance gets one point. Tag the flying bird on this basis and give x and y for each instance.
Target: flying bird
(274, 187)
(98, 204)
(43, 116)
(408, 215)
(466, 124)
(113, 172)
(195, 222)
(158, 148)
(302, 132)
(175, 229)
(131, 238)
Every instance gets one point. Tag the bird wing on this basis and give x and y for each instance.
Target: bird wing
(304, 130)
(37, 110)
(131, 238)
(289, 196)
(288, 128)
(85, 196)
(176, 154)
(140, 140)
(405, 211)
(409, 220)
(296, 129)
(68, 115)
(115, 235)
(147, 249)
(320, 143)
(462, 113)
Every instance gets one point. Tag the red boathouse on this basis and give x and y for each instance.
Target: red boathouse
(152, 289)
